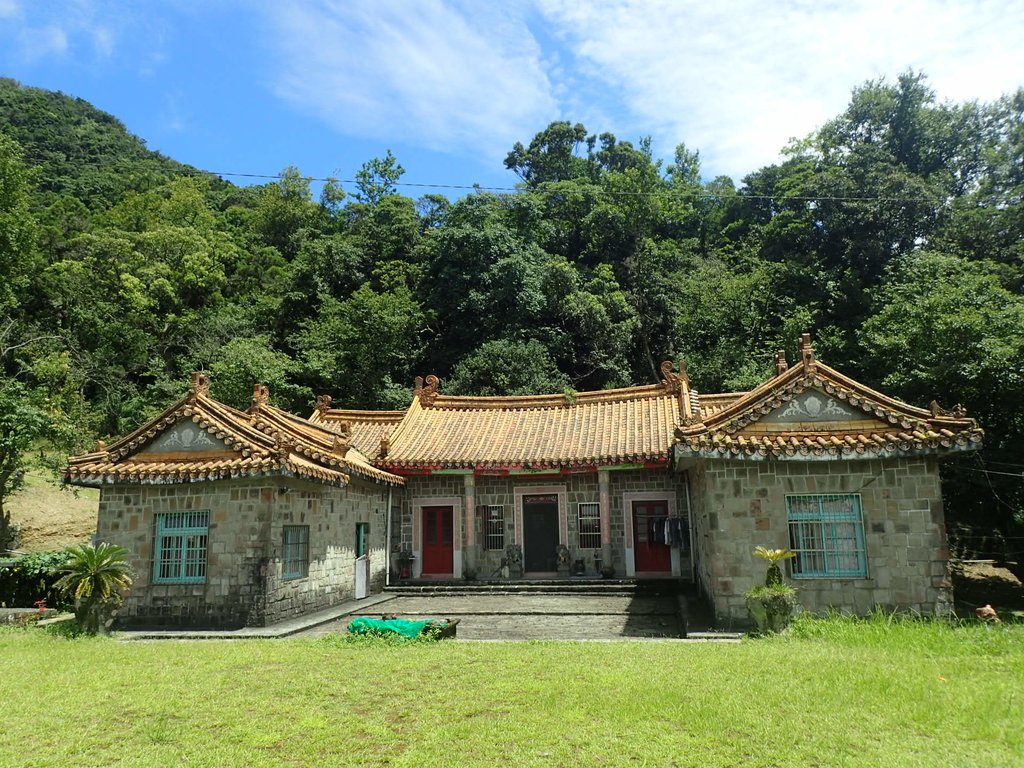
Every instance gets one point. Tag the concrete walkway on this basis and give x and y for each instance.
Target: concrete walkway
(537, 617)
(487, 617)
(281, 629)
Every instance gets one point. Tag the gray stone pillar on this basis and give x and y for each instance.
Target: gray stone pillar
(469, 552)
(604, 497)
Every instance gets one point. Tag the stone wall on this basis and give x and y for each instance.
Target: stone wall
(501, 491)
(740, 505)
(331, 514)
(243, 584)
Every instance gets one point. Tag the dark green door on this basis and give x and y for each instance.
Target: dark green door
(540, 533)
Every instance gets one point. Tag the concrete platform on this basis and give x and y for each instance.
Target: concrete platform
(490, 617)
(536, 617)
(281, 629)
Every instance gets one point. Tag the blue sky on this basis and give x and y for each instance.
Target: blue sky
(450, 85)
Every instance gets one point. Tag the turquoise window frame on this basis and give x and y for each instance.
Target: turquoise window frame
(295, 552)
(182, 546)
(827, 533)
(362, 539)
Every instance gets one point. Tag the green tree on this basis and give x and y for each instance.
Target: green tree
(378, 178)
(243, 362)
(24, 424)
(17, 226)
(948, 326)
(507, 367)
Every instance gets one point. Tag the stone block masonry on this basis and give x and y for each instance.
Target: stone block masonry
(244, 582)
(740, 505)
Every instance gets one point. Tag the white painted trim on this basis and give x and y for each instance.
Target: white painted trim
(541, 490)
(669, 497)
(455, 502)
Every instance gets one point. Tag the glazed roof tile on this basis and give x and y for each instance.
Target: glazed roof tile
(606, 427)
(263, 441)
(881, 425)
(365, 428)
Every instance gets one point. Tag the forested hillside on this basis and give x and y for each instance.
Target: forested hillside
(895, 234)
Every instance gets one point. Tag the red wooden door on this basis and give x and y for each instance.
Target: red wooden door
(650, 555)
(438, 540)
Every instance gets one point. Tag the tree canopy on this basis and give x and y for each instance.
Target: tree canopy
(895, 233)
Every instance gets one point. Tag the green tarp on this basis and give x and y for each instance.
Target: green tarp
(367, 626)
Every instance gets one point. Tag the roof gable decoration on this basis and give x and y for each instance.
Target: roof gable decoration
(679, 384)
(814, 405)
(811, 408)
(199, 438)
(186, 436)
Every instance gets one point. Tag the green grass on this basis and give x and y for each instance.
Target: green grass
(831, 693)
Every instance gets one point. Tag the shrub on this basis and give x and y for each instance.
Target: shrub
(31, 578)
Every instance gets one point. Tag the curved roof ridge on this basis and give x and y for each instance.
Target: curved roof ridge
(552, 400)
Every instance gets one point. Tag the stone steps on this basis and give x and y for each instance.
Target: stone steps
(594, 587)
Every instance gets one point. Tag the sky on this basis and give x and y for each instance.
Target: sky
(449, 86)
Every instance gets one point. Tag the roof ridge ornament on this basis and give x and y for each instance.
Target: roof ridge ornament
(806, 352)
(200, 384)
(679, 384)
(340, 446)
(323, 404)
(260, 396)
(956, 412)
(426, 389)
(781, 365)
(671, 380)
(284, 447)
(385, 445)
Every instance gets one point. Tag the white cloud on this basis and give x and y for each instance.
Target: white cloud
(41, 42)
(9, 9)
(738, 79)
(461, 77)
(102, 40)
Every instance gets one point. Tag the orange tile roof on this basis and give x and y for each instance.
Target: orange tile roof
(264, 441)
(365, 428)
(544, 431)
(731, 429)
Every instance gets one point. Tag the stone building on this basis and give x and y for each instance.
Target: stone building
(655, 481)
(235, 518)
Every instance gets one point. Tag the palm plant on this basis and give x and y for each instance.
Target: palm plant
(772, 604)
(774, 556)
(94, 577)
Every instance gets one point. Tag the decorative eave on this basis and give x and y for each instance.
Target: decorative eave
(266, 442)
(904, 429)
(810, 447)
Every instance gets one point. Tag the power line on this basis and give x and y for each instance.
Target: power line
(993, 472)
(615, 193)
(666, 193)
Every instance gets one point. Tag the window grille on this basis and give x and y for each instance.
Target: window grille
(295, 551)
(827, 534)
(494, 527)
(181, 545)
(589, 527)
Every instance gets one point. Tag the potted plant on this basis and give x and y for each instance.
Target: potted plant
(562, 556)
(514, 560)
(771, 605)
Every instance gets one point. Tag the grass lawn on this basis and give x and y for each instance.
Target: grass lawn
(832, 693)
